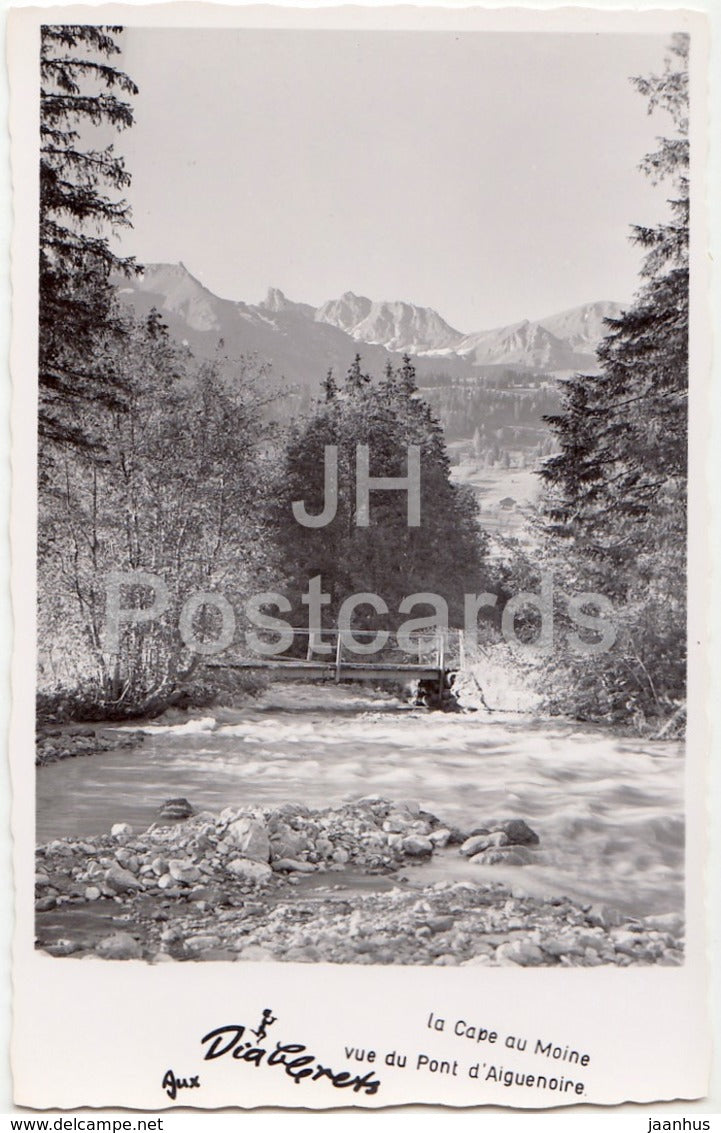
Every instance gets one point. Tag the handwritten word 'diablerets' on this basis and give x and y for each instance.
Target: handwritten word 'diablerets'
(230, 1041)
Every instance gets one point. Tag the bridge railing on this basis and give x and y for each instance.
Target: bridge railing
(438, 649)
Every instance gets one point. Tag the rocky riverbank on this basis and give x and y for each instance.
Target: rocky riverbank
(334, 884)
(56, 742)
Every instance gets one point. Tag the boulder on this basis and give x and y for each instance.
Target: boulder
(183, 870)
(667, 922)
(440, 837)
(293, 810)
(397, 822)
(558, 946)
(503, 855)
(603, 916)
(249, 838)
(213, 895)
(419, 826)
(498, 838)
(440, 924)
(287, 843)
(121, 880)
(175, 808)
(292, 865)
(477, 832)
(587, 940)
(121, 830)
(628, 943)
(417, 846)
(171, 936)
(127, 860)
(518, 832)
(521, 952)
(479, 842)
(250, 871)
(370, 800)
(119, 946)
(457, 837)
(202, 942)
(64, 947)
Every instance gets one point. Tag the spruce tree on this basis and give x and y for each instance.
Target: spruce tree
(79, 210)
(615, 498)
(330, 386)
(355, 378)
(444, 555)
(623, 433)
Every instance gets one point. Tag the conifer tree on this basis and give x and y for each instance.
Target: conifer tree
(623, 433)
(407, 376)
(615, 499)
(356, 379)
(79, 209)
(444, 555)
(330, 387)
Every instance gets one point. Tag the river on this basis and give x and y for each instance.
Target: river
(608, 810)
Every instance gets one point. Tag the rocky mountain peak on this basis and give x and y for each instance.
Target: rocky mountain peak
(302, 340)
(277, 302)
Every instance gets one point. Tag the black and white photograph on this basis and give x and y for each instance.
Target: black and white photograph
(361, 637)
(362, 509)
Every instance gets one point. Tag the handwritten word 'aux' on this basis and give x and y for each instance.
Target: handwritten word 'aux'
(172, 1084)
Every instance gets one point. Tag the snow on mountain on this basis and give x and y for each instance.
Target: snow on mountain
(396, 325)
(345, 313)
(302, 341)
(558, 343)
(277, 330)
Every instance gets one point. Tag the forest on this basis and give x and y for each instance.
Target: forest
(153, 460)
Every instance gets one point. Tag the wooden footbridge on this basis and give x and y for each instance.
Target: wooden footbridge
(336, 655)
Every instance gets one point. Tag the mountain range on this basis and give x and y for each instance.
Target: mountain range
(303, 342)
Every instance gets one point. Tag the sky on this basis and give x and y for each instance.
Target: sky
(492, 176)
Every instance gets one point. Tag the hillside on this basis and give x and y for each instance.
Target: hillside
(278, 331)
(303, 342)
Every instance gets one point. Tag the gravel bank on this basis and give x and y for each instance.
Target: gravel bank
(56, 742)
(290, 883)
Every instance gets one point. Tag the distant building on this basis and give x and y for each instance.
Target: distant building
(507, 502)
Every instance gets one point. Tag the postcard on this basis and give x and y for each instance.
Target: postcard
(361, 366)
